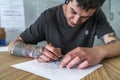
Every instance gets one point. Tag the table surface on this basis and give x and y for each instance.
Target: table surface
(109, 71)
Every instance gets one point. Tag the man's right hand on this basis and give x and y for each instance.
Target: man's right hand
(50, 53)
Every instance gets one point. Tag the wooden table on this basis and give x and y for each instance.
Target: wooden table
(109, 71)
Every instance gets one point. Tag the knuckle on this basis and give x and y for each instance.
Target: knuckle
(48, 59)
(79, 48)
(70, 55)
(52, 56)
(78, 58)
(55, 50)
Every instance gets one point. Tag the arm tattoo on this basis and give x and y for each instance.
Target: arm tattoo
(21, 50)
(113, 41)
(110, 38)
(24, 50)
(36, 52)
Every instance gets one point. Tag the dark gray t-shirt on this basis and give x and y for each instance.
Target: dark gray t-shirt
(52, 27)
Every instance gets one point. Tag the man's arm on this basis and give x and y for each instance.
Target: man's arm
(18, 48)
(46, 54)
(84, 56)
(112, 45)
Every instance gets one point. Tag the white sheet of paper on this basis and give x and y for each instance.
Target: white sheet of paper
(53, 71)
(4, 49)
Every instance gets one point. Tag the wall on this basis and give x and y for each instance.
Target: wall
(115, 20)
(33, 8)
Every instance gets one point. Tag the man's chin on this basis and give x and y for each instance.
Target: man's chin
(72, 25)
(75, 25)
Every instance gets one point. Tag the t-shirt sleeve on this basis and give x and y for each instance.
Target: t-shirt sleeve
(35, 32)
(103, 27)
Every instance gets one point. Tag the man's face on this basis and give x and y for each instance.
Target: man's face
(75, 15)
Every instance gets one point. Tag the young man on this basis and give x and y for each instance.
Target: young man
(69, 30)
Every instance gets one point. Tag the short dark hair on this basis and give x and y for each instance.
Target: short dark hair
(89, 4)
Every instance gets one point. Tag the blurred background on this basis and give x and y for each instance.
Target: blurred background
(30, 10)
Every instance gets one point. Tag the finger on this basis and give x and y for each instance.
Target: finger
(65, 60)
(45, 58)
(76, 51)
(50, 55)
(56, 51)
(83, 65)
(74, 62)
(40, 60)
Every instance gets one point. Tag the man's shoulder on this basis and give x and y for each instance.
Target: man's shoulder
(99, 13)
(53, 10)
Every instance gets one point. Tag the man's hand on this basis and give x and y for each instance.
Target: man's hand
(83, 57)
(50, 53)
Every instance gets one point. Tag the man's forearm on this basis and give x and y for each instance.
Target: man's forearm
(19, 48)
(112, 45)
(112, 49)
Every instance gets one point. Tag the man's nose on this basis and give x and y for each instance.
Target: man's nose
(76, 19)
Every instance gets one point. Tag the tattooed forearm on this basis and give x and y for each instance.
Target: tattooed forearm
(21, 49)
(37, 52)
(25, 50)
(110, 38)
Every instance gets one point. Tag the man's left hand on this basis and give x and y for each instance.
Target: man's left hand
(83, 57)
